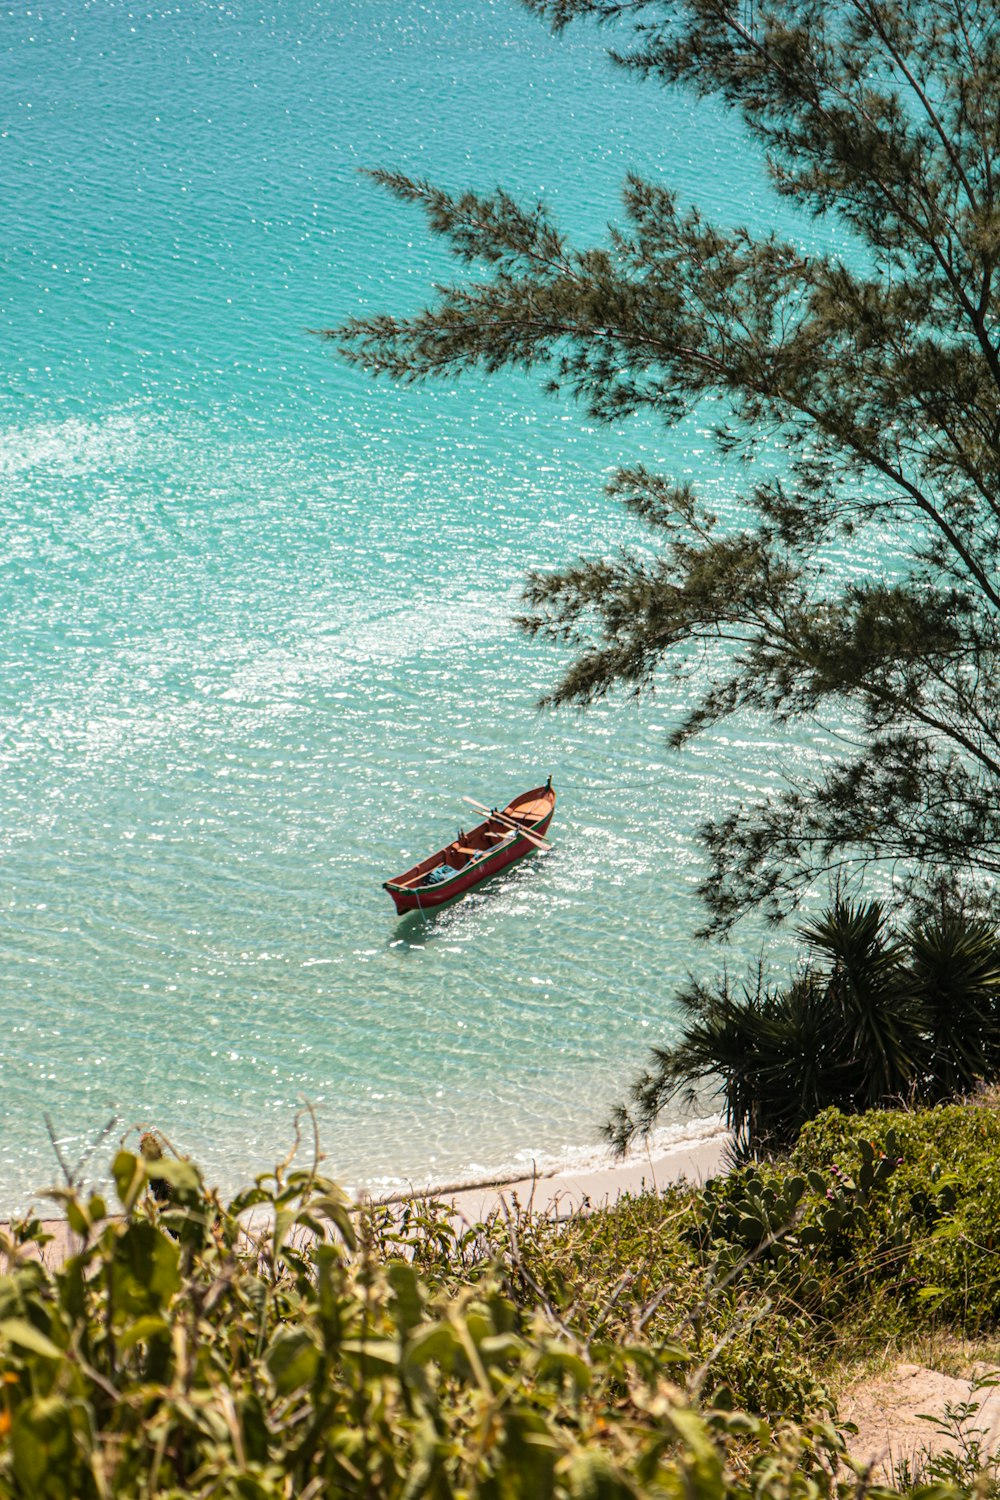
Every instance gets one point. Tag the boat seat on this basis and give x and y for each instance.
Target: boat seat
(463, 849)
(492, 834)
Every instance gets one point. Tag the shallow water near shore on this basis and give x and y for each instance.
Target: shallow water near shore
(256, 633)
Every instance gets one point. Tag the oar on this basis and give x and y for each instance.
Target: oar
(533, 838)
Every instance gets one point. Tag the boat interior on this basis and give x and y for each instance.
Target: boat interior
(480, 841)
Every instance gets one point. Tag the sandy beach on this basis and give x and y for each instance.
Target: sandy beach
(561, 1191)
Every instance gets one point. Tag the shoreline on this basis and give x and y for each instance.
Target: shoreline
(595, 1181)
(562, 1193)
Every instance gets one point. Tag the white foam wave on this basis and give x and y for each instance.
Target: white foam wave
(571, 1159)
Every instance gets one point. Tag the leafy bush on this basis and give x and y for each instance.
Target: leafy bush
(890, 1209)
(674, 1345)
(947, 1184)
(180, 1351)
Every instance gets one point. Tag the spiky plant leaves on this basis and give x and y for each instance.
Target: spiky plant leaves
(721, 1027)
(799, 1067)
(772, 1053)
(877, 1020)
(873, 1018)
(953, 968)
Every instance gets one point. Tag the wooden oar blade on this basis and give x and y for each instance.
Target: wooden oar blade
(533, 838)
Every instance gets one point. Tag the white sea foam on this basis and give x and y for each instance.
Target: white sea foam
(570, 1159)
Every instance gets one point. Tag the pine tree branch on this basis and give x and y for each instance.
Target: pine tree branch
(876, 388)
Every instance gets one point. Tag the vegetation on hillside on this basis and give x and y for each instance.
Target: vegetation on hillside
(677, 1345)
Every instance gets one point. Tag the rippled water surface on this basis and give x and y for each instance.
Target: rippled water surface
(255, 611)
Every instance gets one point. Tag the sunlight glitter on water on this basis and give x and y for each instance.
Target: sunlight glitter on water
(257, 636)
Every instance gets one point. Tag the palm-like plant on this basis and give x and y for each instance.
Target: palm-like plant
(873, 1018)
(953, 969)
(770, 1051)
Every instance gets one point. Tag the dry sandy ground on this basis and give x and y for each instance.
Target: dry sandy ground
(560, 1194)
(890, 1414)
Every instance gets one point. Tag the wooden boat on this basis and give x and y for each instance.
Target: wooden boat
(473, 857)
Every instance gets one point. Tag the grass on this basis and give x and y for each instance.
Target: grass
(856, 1279)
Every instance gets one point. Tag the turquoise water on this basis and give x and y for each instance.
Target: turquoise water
(256, 635)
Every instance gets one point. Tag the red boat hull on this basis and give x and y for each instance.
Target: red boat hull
(411, 892)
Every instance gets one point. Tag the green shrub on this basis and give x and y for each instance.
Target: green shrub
(764, 1280)
(946, 1186)
(180, 1352)
(670, 1346)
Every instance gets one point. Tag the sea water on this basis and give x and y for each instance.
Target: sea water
(256, 610)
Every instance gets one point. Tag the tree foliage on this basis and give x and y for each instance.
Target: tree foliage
(874, 373)
(874, 1017)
